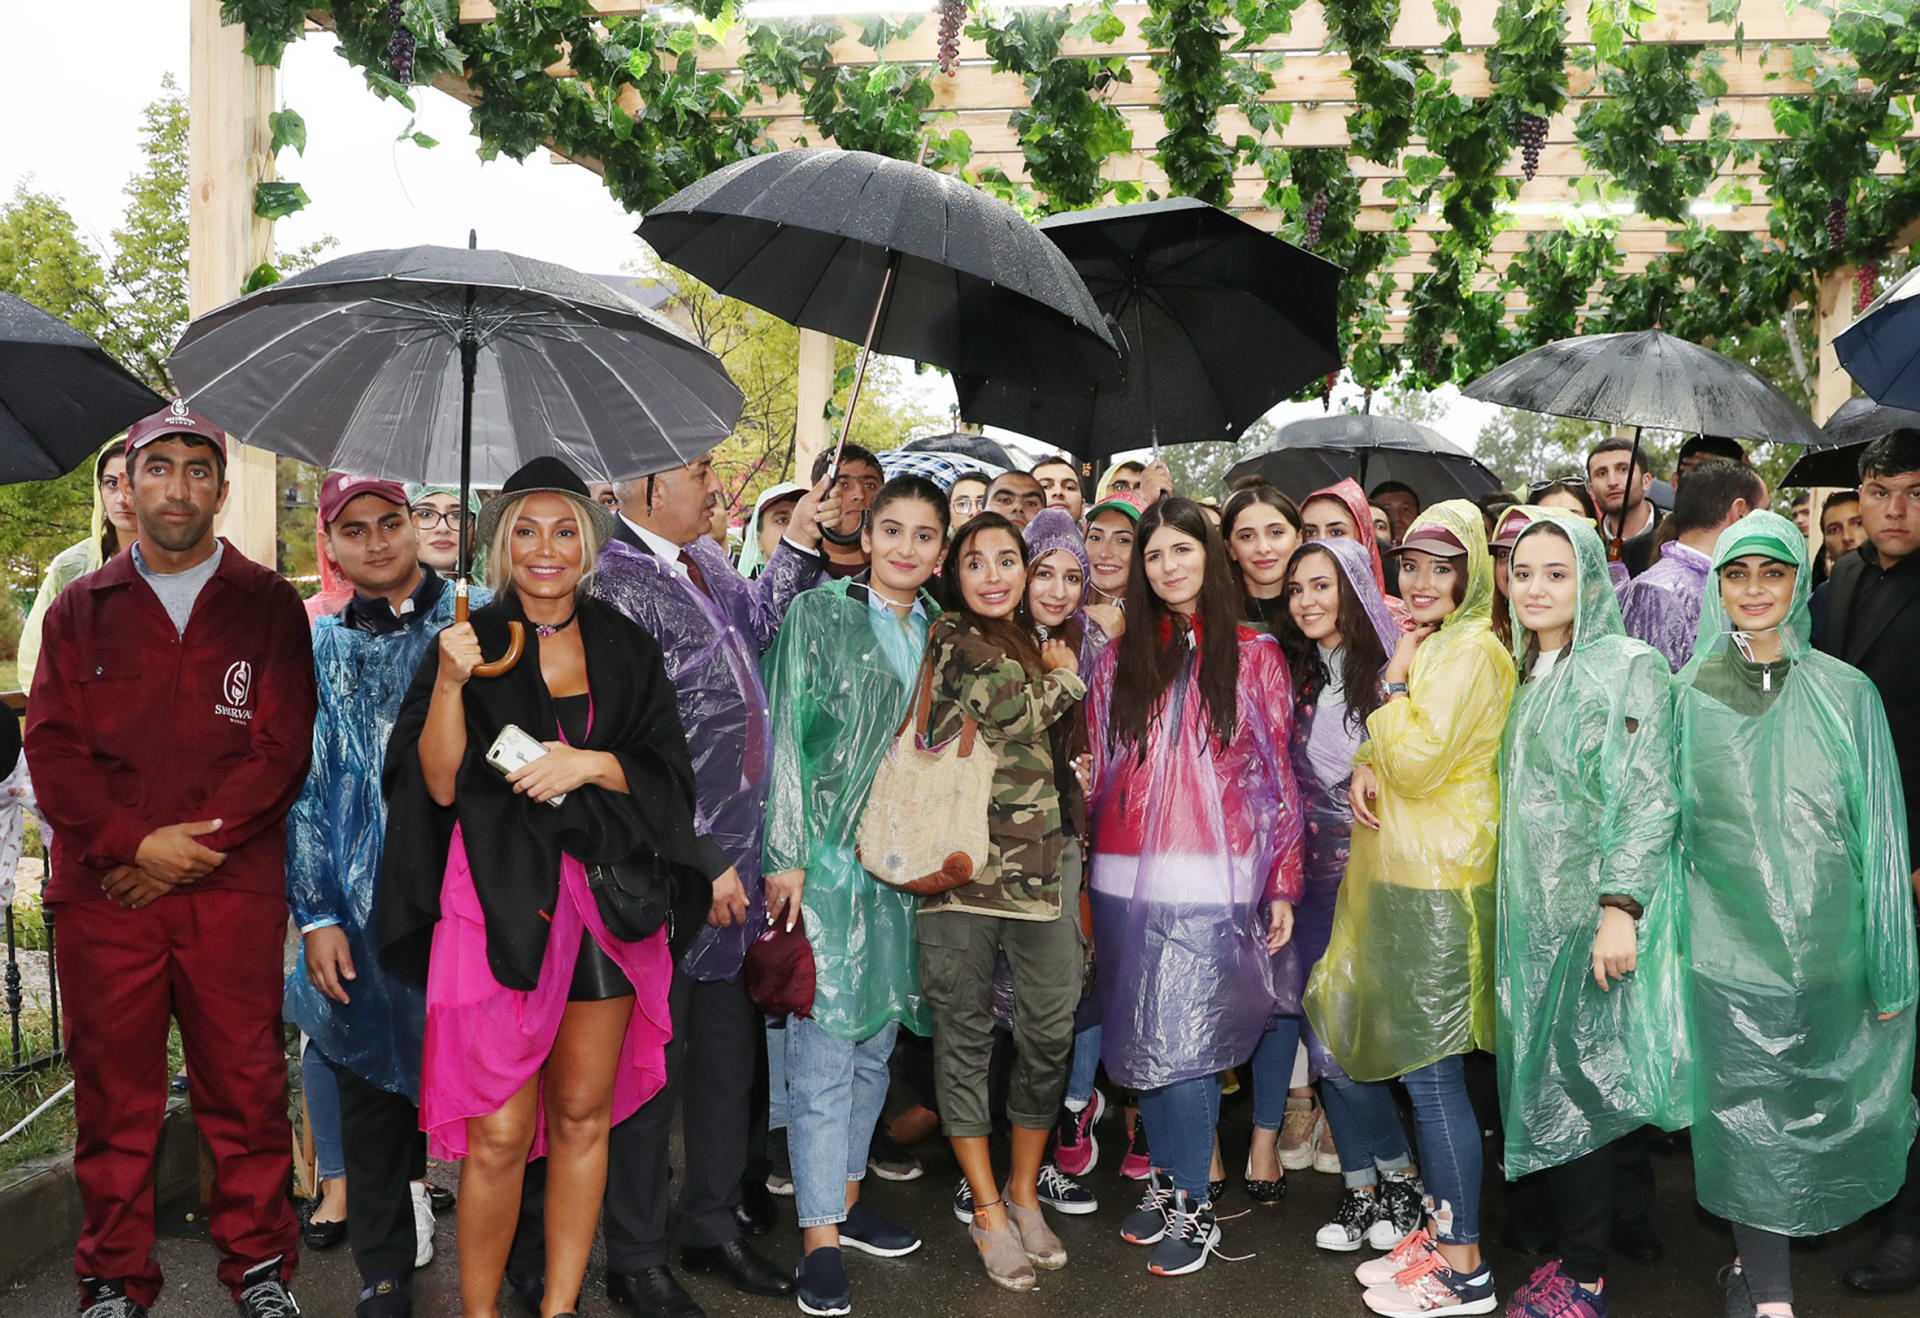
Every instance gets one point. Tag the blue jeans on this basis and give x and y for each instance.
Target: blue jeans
(1449, 1136)
(1180, 1120)
(1086, 1065)
(1366, 1129)
(323, 1114)
(776, 1076)
(1273, 1059)
(835, 1090)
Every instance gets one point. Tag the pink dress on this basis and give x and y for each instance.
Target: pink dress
(484, 1042)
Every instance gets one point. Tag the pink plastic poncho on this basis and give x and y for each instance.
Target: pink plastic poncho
(1189, 843)
(1349, 493)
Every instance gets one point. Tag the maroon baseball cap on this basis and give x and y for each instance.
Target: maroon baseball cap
(1512, 523)
(340, 489)
(1431, 538)
(176, 418)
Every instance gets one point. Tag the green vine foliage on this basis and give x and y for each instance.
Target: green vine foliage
(643, 111)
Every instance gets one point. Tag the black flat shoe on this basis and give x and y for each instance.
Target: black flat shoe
(651, 1293)
(1261, 1192)
(756, 1213)
(324, 1235)
(442, 1200)
(743, 1269)
(1215, 1189)
(1893, 1266)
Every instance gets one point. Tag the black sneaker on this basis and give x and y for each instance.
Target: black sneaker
(263, 1294)
(963, 1201)
(1359, 1210)
(1063, 1194)
(890, 1162)
(1402, 1209)
(822, 1282)
(780, 1173)
(109, 1299)
(1191, 1235)
(1147, 1223)
(870, 1233)
(391, 1297)
(1739, 1297)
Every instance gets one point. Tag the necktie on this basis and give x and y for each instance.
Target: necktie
(694, 574)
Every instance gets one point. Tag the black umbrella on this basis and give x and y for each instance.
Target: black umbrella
(897, 257)
(1882, 348)
(1220, 322)
(977, 447)
(61, 396)
(420, 363)
(1834, 458)
(1320, 451)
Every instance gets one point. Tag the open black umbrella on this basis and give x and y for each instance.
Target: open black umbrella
(1220, 322)
(1834, 458)
(1319, 451)
(429, 362)
(1882, 348)
(891, 255)
(977, 447)
(61, 395)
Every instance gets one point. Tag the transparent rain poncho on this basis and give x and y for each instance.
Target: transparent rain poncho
(1189, 842)
(838, 681)
(1793, 845)
(1408, 974)
(1588, 809)
(336, 835)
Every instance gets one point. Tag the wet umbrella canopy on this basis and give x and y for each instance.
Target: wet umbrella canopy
(1834, 458)
(1321, 451)
(61, 396)
(1882, 349)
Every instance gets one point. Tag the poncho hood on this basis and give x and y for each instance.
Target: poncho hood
(1476, 608)
(1355, 562)
(1597, 611)
(1349, 493)
(751, 559)
(1771, 535)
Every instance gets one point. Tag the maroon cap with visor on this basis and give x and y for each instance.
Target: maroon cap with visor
(1429, 538)
(340, 489)
(176, 418)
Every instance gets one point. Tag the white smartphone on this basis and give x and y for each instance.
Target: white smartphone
(513, 749)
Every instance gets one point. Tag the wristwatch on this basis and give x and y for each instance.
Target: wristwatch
(1396, 689)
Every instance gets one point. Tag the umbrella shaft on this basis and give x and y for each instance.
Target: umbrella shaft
(866, 351)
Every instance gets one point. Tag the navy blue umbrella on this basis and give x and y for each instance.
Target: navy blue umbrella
(1882, 349)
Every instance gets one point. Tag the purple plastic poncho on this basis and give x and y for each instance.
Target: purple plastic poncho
(1323, 745)
(712, 646)
(1189, 844)
(1661, 606)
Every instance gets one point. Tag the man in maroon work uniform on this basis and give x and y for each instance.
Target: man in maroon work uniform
(168, 732)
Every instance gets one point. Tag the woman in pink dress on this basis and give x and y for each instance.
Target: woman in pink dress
(543, 1028)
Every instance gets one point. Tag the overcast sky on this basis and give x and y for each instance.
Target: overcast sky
(367, 189)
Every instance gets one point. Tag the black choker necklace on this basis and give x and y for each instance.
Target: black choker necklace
(543, 629)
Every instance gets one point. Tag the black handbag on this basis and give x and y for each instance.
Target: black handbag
(639, 895)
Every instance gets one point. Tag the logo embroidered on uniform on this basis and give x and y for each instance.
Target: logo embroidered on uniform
(237, 687)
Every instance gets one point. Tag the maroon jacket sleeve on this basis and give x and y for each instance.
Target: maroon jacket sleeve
(73, 792)
(260, 791)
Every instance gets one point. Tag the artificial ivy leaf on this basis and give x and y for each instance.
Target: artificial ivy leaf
(424, 141)
(276, 201)
(289, 129)
(682, 40)
(259, 277)
(638, 63)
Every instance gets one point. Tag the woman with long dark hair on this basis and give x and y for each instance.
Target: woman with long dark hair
(1196, 828)
(1406, 988)
(1023, 905)
(1337, 636)
(1261, 528)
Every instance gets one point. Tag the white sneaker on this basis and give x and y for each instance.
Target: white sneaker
(422, 1226)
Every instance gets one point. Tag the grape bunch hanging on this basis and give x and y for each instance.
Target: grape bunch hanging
(400, 47)
(1866, 279)
(1533, 136)
(1836, 224)
(1316, 217)
(953, 13)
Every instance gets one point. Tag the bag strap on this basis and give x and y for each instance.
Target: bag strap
(920, 714)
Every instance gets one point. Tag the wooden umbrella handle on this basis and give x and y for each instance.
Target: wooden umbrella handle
(516, 638)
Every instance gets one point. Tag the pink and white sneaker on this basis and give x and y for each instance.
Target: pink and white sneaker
(1431, 1289)
(1138, 1164)
(1413, 1247)
(1075, 1149)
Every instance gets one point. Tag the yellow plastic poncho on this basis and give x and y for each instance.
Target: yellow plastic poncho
(1408, 974)
(1793, 845)
(66, 567)
(1588, 808)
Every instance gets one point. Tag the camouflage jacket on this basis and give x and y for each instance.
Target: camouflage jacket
(972, 675)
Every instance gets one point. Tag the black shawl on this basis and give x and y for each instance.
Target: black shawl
(514, 843)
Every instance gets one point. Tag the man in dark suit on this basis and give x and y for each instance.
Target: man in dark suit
(1871, 619)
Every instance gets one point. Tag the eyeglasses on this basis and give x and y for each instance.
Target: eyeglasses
(427, 518)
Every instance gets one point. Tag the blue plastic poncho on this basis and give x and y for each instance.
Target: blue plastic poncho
(1588, 808)
(1793, 843)
(336, 833)
(712, 643)
(839, 679)
(1408, 975)
(1189, 843)
(1324, 741)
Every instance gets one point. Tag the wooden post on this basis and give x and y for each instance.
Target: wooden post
(1832, 385)
(812, 392)
(230, 150)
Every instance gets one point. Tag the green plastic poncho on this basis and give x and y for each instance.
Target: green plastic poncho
(1793, 845)
(838, 681)
(1588, 808)
(1408, 974)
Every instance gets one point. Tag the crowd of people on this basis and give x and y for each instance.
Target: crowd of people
(1329, 794)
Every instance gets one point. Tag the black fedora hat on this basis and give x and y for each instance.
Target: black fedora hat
(545, 475)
